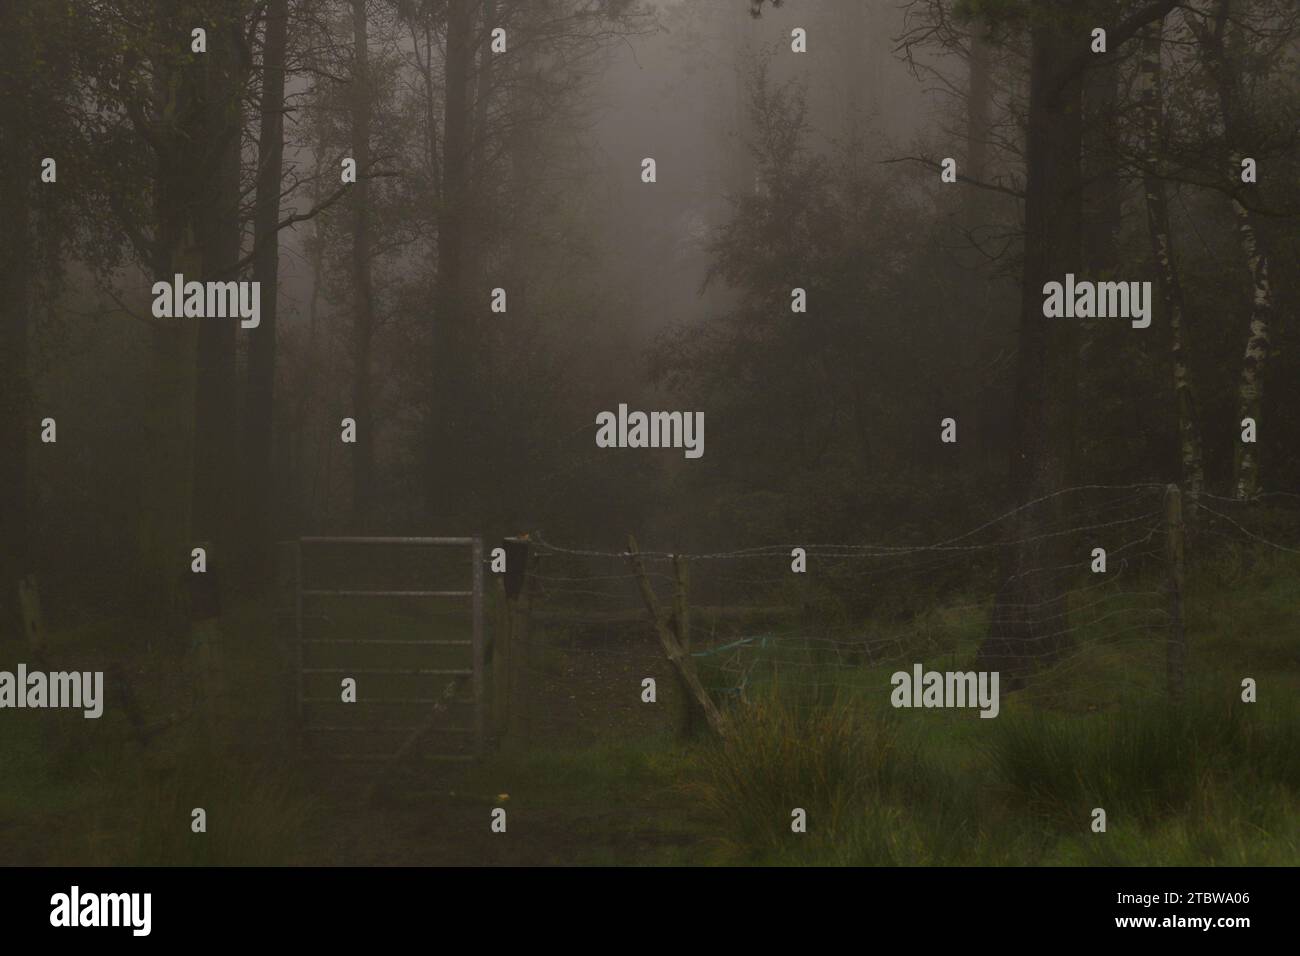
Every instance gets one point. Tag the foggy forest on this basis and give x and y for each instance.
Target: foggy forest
(357, 504)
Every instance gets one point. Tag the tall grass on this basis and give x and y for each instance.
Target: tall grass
(253, 818)
(783, 752)
(1213, 781)
(1150, 760)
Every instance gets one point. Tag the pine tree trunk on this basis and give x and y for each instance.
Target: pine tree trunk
(363, 452)
(1101, 214)
(310, 468)
(166, 495)
(1102, 191)
(217, 169)
(1028, 620)
(17, 423)
(450, 377)
(485, 79)
(523, 153)
(1171, 292)
(266, 271)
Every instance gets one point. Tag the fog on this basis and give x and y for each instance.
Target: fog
(884, 317)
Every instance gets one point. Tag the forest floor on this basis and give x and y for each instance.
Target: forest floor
(601, 783)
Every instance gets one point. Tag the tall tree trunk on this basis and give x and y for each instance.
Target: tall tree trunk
(363, 457)
(523, 152)
(1224, 68)
(978, 209)
(18, 166)
(1028, 622)
(1103, 192)
(1102, 211)
(1162, 251)
(218, 233)
(450, 338)
(979, 101)
(306, 436)
(266, 271)
(167, 489)
(1251, 390)
(483, 91)
(478, 198)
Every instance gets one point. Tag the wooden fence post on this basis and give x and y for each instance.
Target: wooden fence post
(672, 635)
(479, 649)
(501, 662)
(523, 654)
(1176, 651)
(682, 628)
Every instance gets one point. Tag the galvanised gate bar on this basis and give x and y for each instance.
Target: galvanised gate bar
(410, 679)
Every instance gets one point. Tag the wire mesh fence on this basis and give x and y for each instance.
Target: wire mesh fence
(1078, 594)
(1075, 591)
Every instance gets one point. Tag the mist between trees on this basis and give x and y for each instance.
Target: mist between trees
(444, 208)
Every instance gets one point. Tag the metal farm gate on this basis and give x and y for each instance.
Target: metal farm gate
(419, 681)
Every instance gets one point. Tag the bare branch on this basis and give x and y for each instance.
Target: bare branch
(993, 187)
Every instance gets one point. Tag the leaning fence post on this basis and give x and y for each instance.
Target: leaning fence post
(1176, 651)
(670, 636)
